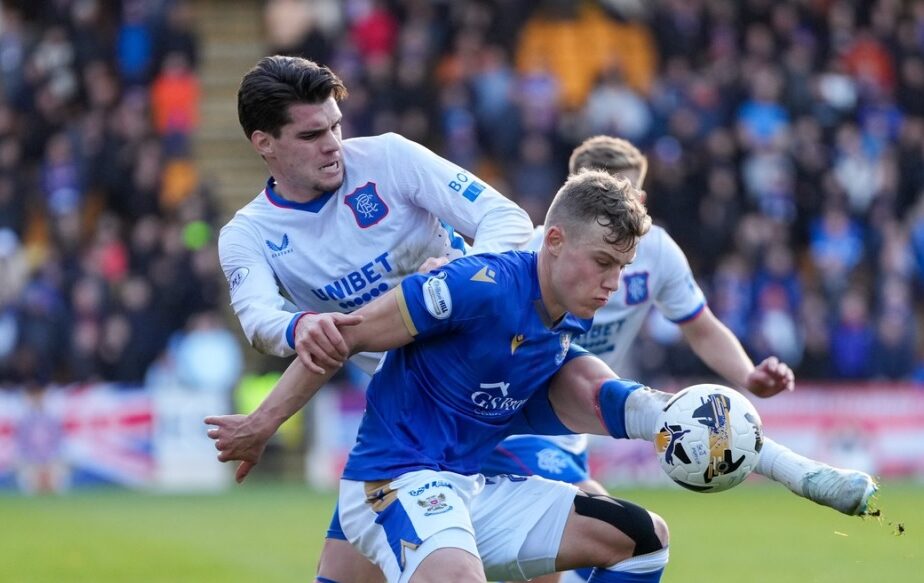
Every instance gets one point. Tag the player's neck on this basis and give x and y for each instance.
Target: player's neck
(554, 310)
(292, 192)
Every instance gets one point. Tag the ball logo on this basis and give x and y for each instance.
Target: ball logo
(436, 296)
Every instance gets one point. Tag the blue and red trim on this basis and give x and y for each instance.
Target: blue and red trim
(312, 206)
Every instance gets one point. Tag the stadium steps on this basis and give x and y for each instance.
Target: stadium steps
(231, 33)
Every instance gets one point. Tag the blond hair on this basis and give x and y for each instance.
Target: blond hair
(613, 155)
(595, 196)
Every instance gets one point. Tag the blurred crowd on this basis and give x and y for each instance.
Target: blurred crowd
(108, 259)
(785, 140)
(785, 137)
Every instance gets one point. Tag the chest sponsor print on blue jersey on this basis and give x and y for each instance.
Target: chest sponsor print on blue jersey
(493, 400)
(636, 288)
(282, 248)
(357, 287)
(367, 206)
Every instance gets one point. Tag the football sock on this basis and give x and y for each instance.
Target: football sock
(641, 569)
(783, 465)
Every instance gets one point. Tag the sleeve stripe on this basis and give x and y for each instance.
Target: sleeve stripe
(405, 313)
(290, 329)
(692, 315)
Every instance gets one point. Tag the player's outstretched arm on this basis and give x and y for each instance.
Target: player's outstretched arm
(586, 396)
(715, 344)
(243, 437)
(318, 340)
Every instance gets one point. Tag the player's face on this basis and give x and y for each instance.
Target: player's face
(307, 157)
(587, 270)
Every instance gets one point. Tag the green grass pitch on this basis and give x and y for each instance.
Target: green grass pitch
(757, 533)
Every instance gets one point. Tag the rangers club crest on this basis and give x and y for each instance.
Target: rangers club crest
(367, 206)
(636, 288)
(434, 505)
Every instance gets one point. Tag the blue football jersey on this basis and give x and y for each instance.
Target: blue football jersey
(484, 344)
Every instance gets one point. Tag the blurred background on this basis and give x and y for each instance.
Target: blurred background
(786, 149)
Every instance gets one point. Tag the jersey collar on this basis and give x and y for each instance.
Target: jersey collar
(312, 206)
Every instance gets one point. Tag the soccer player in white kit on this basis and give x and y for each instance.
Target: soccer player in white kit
(341, 222)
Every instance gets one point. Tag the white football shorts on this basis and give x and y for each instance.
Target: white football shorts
(513, 524)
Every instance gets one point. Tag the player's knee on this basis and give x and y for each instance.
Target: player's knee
(646, 530)
(660, 529)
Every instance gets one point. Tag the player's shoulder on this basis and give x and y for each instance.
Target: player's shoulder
(376, 145)
(247, 217)
(495, 273)
(658, 243)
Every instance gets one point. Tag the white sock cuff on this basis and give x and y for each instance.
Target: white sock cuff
(643, 563)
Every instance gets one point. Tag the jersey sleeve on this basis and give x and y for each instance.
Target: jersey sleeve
(679, 298)
(458, 197)
(267, 318)
(442, 301)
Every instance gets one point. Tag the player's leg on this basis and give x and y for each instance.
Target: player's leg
(586, 384)
(528, 527)
(341, 563)
(415, 528)
(625, 542)
(542, 456)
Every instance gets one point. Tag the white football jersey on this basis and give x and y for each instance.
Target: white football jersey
(399, 205)
(659, 277)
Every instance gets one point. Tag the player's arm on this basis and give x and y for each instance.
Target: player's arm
(267, 318)
(586, 396)
(470, 205)
(681, 300)
(244, 437)
(715, 344)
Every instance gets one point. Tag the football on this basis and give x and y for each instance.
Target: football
(709, 438)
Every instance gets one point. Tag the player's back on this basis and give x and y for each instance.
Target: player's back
(484, 345)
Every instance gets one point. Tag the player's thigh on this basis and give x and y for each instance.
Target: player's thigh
(398, 524)
(342, 563)
(601, 531)
(519, 522)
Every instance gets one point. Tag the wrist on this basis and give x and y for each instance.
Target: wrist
(264, 423)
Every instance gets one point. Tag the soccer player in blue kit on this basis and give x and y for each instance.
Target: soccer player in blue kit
(660, 278)
(473, 343)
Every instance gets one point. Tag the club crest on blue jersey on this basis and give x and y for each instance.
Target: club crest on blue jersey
(565, 339)
(636, 288)
(367, 206)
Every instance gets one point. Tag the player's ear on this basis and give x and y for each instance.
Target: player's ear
(262, 142)
(554, 239)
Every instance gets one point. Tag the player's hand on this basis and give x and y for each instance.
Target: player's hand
(237, 439)
(432, 263)
(770, 377)
(319, 343)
